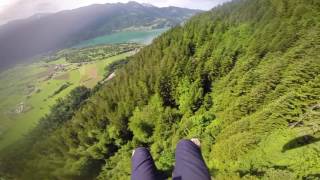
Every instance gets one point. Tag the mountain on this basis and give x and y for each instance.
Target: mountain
(244, 78)
(23, 39)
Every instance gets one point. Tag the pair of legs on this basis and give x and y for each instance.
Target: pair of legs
(189, 164)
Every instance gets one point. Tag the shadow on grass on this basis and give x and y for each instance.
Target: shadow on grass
(299, 142)
(311, 177)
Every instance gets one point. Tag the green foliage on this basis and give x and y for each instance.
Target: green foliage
(64, 109)
(61, 88)
(118, 166)
(114, 66)
(244, 78)
(142, 122)
(22, 153)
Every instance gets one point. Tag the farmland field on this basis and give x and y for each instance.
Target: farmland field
(28, 91)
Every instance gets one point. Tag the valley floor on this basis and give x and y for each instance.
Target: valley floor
(28, 91)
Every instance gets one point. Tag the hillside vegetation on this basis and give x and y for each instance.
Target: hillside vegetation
(244, 78)
(27, 92)
(95, 53)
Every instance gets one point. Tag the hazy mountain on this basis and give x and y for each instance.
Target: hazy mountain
(23, 39)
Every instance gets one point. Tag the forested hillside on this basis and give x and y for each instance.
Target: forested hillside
(244, 78)
(28, 91)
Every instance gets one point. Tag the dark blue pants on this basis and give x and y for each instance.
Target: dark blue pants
(189, 164)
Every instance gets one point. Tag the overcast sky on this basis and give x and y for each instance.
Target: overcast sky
(17, 9)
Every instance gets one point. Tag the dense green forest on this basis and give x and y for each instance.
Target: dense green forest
(244, 78)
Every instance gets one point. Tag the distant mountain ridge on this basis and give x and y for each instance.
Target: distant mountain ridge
(22, 39)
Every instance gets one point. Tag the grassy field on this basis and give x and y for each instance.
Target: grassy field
(141, 37)
(27, 92)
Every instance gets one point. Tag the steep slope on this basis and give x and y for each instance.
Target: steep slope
(244, 78)
(23, 39)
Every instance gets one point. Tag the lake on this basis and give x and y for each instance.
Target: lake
(141, 37)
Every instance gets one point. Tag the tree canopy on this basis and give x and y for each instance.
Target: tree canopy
(244, 78)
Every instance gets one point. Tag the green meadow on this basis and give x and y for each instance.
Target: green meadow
(28, 91)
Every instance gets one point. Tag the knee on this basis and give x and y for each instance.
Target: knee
(184, 143)
(141, 151)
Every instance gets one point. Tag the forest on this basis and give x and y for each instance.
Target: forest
(244, 78)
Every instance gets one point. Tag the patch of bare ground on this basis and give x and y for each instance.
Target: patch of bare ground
(64, 76)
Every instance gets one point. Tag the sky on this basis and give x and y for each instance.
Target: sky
(19, 9)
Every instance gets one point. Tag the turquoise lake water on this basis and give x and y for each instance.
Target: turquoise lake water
(141, 37)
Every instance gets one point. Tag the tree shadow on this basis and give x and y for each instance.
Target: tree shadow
(299, 142)
(311, 177)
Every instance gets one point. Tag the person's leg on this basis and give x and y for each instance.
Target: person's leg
(142, 164)
(189, 162)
